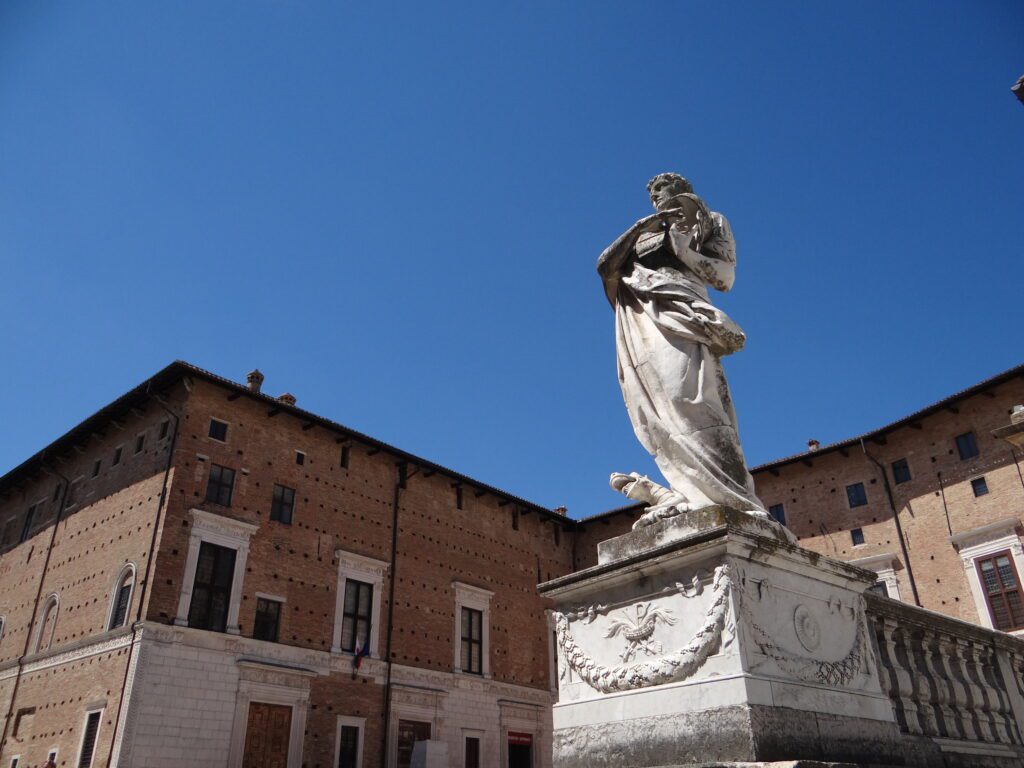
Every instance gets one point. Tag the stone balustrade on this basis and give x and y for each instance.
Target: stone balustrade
(959, 684)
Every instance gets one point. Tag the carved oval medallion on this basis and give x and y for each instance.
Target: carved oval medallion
(807, 630)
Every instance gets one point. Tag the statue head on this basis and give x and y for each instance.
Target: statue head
(665, 187)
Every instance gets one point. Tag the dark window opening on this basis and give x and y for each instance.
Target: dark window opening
(515, 519)
(73, 490)
(165, 427)
(283, 504)
(979, 486)
(96, 467)
(122, 603)
(967, 445)
(268, 619)
(857, 536)
(458, 497)
(300, 458)
(344, 457)
(1002, 591)
(472, 641)
(140, 443)
(117, 457)
(558, 534)
(26, 528)
(900, 471)
(357, 614)
(56, 492)
(856, 495)
(211, 592)
(348, 747)
(92, 727)
(221, 485)
(778, 513)
(472, 759)
(218, 430)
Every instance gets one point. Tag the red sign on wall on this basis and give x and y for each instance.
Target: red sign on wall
(525, 739)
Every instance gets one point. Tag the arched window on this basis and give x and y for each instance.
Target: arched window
(47, 623)
(121, 598)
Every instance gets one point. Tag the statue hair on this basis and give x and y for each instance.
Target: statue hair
(674, 177)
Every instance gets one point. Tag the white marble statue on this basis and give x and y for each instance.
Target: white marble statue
(669, 340)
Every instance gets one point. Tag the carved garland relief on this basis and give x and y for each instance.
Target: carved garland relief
(638, 634)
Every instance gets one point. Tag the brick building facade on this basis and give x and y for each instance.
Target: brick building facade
(202, 574)
(192, 575)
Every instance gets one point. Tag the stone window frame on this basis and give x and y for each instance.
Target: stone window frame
(478, 599)
(224, 532)
(128, 567)
(884, 566)
(52, 602)
(984, 541)
(352, 722)
(472, 733)
(422, 706)
(272, 691)
(15, 761)
(368, 570)
(3, 626)
(89, 710)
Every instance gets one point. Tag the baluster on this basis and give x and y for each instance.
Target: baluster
(925, 692)
(955, 693)
(985, 708)
(899, 655)
(1003, 717)
(972, 693)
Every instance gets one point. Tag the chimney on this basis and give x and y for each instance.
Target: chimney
(254, 379)
(563, 511)
(813, 445)
(287, 398)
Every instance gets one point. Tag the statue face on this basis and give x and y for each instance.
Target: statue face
(664, 191)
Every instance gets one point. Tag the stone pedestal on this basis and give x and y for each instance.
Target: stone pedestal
(430, 754)
(708, 638)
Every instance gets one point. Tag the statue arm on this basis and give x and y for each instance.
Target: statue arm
(715, 263)
(615, 256)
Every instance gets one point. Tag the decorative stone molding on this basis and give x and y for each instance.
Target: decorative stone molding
(478, 599)
(225, 532)
(369, 571)
(270, 685)
(671, 668)
(981, 542)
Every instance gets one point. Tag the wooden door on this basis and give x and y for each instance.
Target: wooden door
(266, 736)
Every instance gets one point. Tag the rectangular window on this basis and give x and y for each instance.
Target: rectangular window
(26, 528)
(472, 641)
(900, 471)
(211, 592)
(300, 458)
(979, 486)
(222, 482)
(343, 461)
(14, 761)
(89, 733)
(856, 495)
(879, 588)
(283, 504)
(56, 492)
(409, 732)
(165, 427)
(857, 536)
(778, 512)
(1002, 590)
(73, 491)
(515, 519)
(558, 534)
(356, 615)
(117, 457)
(967, 445)
(96, 467)
(268, 619)
(218, 430)
(124, 598)
(348, 746)
(458, 497)
(472, 752)
(140, 443)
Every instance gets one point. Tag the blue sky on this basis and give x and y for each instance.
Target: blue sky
(394, 211)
